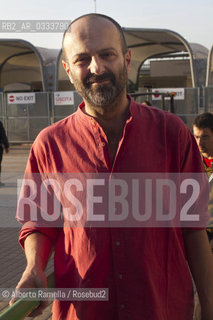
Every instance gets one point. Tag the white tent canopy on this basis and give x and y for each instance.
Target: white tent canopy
(152, 43)
(209, 76)
(21, 62)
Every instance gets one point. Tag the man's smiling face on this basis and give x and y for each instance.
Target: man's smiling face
(96, 63)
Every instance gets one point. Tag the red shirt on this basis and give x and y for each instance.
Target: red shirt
(208, 162)
(145, 270)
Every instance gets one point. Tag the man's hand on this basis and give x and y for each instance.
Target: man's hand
(37, 250)
(33, 278)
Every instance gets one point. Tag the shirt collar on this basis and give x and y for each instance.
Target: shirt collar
(84, 117)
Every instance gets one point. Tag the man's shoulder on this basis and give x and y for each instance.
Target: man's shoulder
(58, 127)
(56, 132)
(156, 116)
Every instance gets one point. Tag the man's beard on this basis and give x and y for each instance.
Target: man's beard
(203, 150)
(101, 95)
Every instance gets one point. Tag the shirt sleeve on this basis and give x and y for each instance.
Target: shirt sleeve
(29, 206)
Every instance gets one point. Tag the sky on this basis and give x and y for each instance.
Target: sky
(193, 20)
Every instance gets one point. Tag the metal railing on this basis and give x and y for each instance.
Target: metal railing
(24, 121)
(60, 111)
(187, 107)
(208, 98)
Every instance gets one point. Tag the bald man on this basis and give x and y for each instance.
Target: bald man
(144, 269)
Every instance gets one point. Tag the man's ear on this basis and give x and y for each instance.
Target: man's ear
(67, 69)
(128, 59)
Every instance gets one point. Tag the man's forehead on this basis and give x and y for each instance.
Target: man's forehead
(90, 34)
(91, 28)
(86, 26)
(202, 130)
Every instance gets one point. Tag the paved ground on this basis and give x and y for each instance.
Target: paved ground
(12, 259)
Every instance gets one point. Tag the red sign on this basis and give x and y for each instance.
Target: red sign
(11, 98)
(156, 95)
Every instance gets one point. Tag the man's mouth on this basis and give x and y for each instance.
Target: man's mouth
(99, 79)
(202, 149)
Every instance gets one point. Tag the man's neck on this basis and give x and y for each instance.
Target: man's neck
(108, 112)
(112, 121)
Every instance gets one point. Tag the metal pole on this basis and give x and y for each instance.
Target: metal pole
(95, 5)
(172, 107)
(163, 101)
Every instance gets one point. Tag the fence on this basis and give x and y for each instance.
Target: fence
(208, 99)
(24, 119)
(61, 106)
(187, 107)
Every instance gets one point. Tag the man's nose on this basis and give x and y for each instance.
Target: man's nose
(96, 66)
(200, 142)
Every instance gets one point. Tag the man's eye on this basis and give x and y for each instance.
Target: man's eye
(82, 60)
(107, 55)
(205, 137)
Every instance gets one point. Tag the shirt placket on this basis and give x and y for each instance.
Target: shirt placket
(117, 236)
(115, 165)
(101, 143)
(120, 275)
(119, 248)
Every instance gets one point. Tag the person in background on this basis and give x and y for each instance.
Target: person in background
(203, 133)
(4, 144)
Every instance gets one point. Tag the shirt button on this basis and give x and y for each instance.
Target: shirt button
(117, 243)
(103, 144)
(122, 306)
(120, 276)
